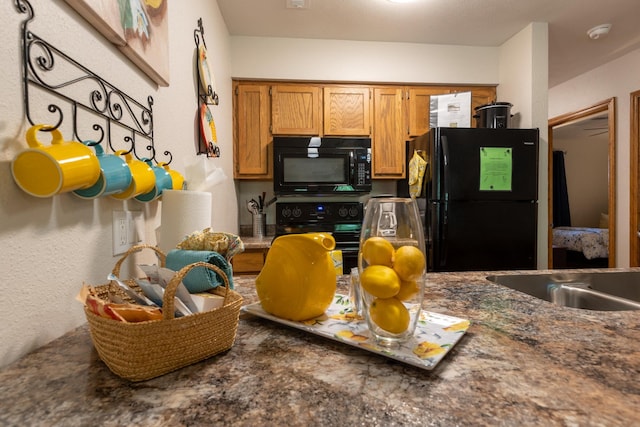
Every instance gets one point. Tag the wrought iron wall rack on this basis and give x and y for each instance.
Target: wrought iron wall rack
(100, 112)
(206, 95)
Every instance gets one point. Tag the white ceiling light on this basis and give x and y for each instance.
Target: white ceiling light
(599, 31)
(401, 1)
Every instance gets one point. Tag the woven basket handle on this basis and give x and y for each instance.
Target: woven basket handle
(168, 306)
(137, 248)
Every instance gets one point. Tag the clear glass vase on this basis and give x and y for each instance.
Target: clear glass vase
(392, 266)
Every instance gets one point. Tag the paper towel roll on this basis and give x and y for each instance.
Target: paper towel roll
(182, 213)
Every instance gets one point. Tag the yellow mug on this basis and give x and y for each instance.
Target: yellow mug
(143, 179)
(177, 179)
(63, 166)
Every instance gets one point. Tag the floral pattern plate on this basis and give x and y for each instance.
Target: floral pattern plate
(435, 334)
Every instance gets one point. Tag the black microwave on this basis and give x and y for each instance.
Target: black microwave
(315, 165)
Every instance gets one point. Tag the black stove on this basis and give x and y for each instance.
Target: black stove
(342, 219)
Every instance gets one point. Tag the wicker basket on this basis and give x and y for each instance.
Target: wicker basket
(141, 351)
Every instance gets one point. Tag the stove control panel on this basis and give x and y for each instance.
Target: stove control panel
(326, 212)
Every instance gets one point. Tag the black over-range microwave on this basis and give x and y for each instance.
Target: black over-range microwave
(314, 165)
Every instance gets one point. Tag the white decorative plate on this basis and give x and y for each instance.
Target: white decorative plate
(435, 335)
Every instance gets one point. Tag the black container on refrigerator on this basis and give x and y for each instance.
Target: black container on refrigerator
(481, 198)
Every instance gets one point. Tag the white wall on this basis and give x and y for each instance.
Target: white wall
(587, 169)
(51, 246)
(355, 61)
(618, 79)
(524, 76)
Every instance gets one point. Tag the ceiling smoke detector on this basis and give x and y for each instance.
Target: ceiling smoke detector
(599, 31)
(298, 4)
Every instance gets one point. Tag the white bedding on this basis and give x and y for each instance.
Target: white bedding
(592, 242)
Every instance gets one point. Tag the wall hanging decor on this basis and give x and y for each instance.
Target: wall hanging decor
(207, 95)
(98, 111)
(139, 28)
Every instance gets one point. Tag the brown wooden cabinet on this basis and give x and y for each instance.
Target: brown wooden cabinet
(252, 149)
(347, 111)
(479, 96)
(250, 261)
(388, 142)
(419, 108)
(296, 110)
(390, 114)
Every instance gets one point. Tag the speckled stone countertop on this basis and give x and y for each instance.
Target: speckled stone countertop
(523, 361)
(257, 242)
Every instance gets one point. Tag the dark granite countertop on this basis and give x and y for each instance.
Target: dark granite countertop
(523, 361)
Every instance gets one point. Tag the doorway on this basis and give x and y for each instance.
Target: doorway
(598, 119)
(634, 221)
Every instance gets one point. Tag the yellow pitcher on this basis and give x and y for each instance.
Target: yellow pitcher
(298, 280)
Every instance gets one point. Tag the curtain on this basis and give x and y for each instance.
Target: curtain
(561, 212)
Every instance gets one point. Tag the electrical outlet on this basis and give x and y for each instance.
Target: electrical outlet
(128, 229)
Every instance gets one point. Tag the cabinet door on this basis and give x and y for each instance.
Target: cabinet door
(479, 96)
(252, 148)
(250, 261)
(419, 108)
(389, 135)
(295, 110)
(346, 111)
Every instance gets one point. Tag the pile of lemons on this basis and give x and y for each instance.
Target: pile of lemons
(390, 277)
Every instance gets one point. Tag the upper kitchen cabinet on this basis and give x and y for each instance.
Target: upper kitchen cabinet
(347, 111)
(419, 104)
(389, 134)
(480, 95)
(296, 110)
(252, 148)
(419, 108)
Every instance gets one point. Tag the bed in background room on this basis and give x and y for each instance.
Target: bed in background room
(580, 247)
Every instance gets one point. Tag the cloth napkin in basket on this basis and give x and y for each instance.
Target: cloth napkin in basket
(200, 279)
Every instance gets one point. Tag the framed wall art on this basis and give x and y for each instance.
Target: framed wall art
(139, 28)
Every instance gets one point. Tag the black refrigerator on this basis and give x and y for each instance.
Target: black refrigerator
(480, 192)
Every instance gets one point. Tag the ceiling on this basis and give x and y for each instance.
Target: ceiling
(594, 127)
(456, 22)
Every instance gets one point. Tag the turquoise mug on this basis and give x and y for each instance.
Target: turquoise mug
(163, 182)
(115, 175)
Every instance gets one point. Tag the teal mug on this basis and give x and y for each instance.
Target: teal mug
(115, 175)
(163, 182)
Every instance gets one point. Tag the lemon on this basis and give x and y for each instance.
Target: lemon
(380, 281)
(409, 262)
(378, 251)
(389, 314)
(426, 349)
(408, 288)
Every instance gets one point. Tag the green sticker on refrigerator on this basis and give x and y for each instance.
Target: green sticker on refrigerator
(496, 167)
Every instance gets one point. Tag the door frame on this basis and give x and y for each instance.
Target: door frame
(608, 105)
(634, 184)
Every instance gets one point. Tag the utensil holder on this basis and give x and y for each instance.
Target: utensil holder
(259, 222)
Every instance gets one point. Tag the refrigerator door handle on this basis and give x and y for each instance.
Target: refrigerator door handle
(445, 167)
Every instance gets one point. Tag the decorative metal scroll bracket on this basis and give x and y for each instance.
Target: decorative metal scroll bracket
(206, 96)
(100, 112)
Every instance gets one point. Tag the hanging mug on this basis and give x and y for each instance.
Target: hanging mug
(63, 166)
(177, 180)
(162, 182)
(115, 175)
(143, 179)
